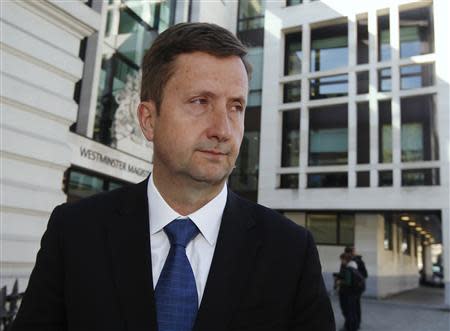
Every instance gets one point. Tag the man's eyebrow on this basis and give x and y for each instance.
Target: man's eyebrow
(211, 94)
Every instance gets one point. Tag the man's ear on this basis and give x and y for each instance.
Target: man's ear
(147, 115)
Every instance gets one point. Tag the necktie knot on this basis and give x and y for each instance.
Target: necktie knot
(181, 231)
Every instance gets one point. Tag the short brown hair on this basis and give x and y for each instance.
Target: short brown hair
(158, 62)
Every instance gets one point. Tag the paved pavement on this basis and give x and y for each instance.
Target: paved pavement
(416, 310)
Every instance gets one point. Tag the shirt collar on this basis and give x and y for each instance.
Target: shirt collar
(207, 218)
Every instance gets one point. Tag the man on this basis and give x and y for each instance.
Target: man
(361, 267)
(346, 281)
(180, 251)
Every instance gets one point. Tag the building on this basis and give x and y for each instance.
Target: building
(347, 125)
(355, 139)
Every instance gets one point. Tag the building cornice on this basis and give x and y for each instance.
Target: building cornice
(72, 16)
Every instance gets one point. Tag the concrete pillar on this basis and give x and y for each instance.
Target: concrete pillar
(446, 252)
(427, 263)
(91, 74)
(373, 103)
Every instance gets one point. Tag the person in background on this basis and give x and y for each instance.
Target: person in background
(361, 267)
(346, 283)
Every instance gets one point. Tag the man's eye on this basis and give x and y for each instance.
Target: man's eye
(200, 101)
(237, 108)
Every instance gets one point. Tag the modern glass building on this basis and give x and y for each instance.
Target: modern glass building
(355, 131)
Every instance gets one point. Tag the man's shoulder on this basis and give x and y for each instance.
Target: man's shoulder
(272, 221)
(98, 204)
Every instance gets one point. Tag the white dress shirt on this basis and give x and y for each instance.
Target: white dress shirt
(200, 250)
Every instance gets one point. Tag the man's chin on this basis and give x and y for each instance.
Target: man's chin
(210, 179)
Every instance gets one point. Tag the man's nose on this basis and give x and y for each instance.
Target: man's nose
(219, 123)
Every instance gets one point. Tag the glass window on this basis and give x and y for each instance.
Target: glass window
(329, 47)
(384, 47)
(384, 80)
(385, 131)
(363, 133)
(251, 15)
(255, 57)
(293, 2)
(363, 41)
(422, 177)
(416, 76)
(418, 129)
(346, 229)
(328, 135)
(289, 181)
(328, 180)
(244, 178)
(290, 151)
(291, 92)
(293, 53)
(328, 87)
(323, 227)
(331, 228)
(82, 185)
(150, 12)
(115, 73)
(416, 32)
(385, 178)
(363, 179)
(133, 36)
(388, 233)
(362, 79)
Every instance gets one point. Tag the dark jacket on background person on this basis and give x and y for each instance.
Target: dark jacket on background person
(94, 271)
(361, 265)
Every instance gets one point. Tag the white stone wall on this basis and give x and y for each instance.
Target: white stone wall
(40, 66)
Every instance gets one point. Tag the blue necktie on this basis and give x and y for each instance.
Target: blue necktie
(176, 294)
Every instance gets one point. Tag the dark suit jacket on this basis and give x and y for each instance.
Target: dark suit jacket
(93, 271)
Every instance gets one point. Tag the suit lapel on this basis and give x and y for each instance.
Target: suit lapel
(234, 256)
(129, 243)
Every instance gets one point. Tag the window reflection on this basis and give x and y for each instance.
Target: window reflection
(415, 177)
(418, 129)
(329, 47)
(416, 76)
(385, 131)
(327, 180)
(329, 87)
(362, 81)
(416, 32)
(385, 178)
(363, 41)
(384, 80)
(115, 72)
(363, 133)
(328, 135)
(81, 184)
(290, 151)
(293, 53)
(291, 92)
(289, 181)
(251, 15)
(384, 47)
(332, 228)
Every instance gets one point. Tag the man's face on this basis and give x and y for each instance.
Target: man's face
(200, 125)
